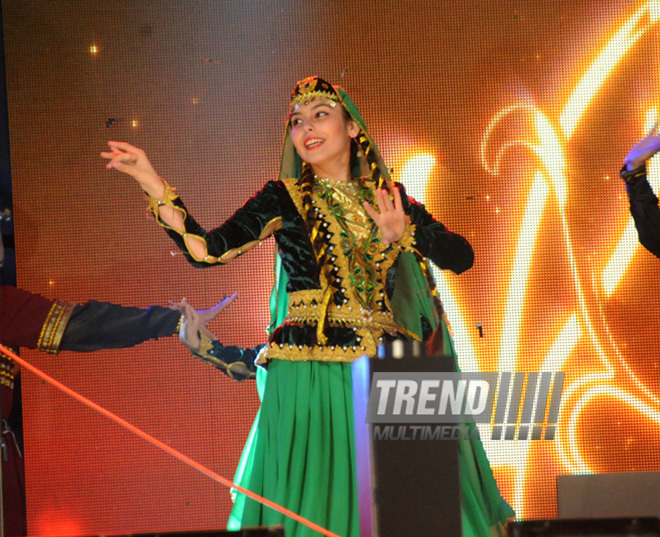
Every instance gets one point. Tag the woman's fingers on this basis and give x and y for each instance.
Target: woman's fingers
(373, 214)
(119, 160)
(386, 201)
(123, 149)
(223, 304)
(383, 200)
(133, 161)
(112, 154)
(177, 306)
(391, 218)
(124, 167)
(398, 206)
(122, 158)
(123, 146)
(205, 316)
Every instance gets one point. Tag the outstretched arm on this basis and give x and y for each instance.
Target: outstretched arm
(643, 202)
(255, 221)
(33, 321)
(133, 161)
(101, 325)
(643, 208)
(236, 362)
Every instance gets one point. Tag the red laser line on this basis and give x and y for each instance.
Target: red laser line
(183, 458)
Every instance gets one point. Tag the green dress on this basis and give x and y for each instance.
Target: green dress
(300, 453)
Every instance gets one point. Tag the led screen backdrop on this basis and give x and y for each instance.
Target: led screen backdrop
(509, 119)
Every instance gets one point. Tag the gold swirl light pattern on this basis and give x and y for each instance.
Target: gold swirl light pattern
(608, 381)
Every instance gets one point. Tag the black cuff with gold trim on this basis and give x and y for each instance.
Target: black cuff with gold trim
(631, 176)
(237, 363)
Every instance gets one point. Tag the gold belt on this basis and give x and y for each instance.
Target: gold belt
(313, 306)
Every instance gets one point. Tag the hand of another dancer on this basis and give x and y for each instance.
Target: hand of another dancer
(134, 162)
(390, 217)
(643, 150)
(196, 321)
(190, 329)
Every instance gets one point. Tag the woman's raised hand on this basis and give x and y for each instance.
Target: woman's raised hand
(643, 150)
(133, 161)
(390, 217)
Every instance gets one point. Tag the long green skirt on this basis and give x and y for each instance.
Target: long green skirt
(301, 455)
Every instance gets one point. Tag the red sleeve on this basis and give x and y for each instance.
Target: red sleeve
(25, 318)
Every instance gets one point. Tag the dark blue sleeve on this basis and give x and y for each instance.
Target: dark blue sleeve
(101, 325)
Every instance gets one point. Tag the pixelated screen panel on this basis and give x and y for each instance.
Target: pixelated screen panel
(508, 119)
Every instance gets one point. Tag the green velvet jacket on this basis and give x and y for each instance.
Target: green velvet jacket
(327, 318)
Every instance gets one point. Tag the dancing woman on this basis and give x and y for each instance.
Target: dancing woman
(352, 246)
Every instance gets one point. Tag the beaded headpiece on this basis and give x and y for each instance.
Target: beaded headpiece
(313, 87)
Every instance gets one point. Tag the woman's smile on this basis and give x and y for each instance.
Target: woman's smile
(313, 142)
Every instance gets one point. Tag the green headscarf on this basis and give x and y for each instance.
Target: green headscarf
(315, 87)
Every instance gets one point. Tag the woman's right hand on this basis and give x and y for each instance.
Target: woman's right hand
(134, 162)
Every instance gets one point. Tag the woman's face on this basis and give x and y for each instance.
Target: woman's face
(322, 135)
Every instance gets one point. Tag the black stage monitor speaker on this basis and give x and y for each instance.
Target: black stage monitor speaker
(406, 486)
(586, 527)
(622, 494)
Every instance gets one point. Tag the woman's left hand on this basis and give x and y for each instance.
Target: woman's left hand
(390, 217)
